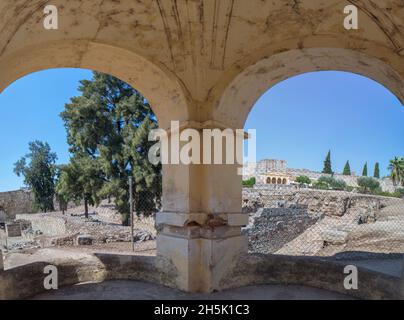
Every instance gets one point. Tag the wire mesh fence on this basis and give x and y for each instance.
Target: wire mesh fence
(72, 230)
(302, 221)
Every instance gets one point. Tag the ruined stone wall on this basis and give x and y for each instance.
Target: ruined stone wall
(271, 228)
(329, 203)
(13, 202)
(278, 216)
(47, 224)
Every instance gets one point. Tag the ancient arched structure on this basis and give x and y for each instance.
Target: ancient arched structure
(204, 63)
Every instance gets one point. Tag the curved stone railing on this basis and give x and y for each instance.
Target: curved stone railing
(27, 281)
(322, 273)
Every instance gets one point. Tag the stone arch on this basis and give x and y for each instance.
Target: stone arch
(246, 88)
(284, 181)
(273, 180)
(165, 94)
(269, 180)
(279, 181)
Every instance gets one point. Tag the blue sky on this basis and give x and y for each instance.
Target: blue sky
(298, 120)
(29, 110)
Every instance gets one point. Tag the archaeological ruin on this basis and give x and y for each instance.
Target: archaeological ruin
(205, 63)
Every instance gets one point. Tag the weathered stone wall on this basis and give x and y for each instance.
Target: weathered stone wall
(329, 203)
(13, 202)
(48, 225)
(278, 216)
(271, 228)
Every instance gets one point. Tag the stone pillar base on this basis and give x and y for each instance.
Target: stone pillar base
(201, 263)
(203, 247)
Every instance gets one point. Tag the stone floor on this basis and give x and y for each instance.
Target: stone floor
(135, 290)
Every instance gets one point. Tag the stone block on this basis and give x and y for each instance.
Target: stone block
(84, 240)
(13, 230)
(334, 236)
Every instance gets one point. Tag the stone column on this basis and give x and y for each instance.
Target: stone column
(201, 222)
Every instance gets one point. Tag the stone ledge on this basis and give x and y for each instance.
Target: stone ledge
(254, 269)
(26, 281)
(322, 273)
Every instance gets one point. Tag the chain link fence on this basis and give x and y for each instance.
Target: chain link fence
(307, 222)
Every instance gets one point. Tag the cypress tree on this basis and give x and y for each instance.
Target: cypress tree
(365, 170)
(377, 171)
(327, 164)
(347, 169)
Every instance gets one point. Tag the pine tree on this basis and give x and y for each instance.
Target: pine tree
(327, 164)
(365, 170)
(376, 173)
(81, 179)
(347, 169)
(109, 122)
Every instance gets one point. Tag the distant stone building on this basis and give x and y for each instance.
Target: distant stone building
(276, 172)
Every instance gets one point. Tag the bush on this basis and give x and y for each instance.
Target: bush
(249, 183)
(330, 183)
(368, 185)
(350, 188)
(303, 180)
(339, 185)
(399, 193)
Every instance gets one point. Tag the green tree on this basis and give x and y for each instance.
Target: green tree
(110, 122)
(396, 168)
(249, 182)
(330, 183)
(327, 164)
(347, 169)
(368, 184)
(80, 180)
(365, 170)
(376, 173)
(303, 180)
(38, 169)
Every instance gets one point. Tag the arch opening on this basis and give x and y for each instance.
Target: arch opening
(248, 86)
(158, 85)
(309, 118)
(69, 224)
